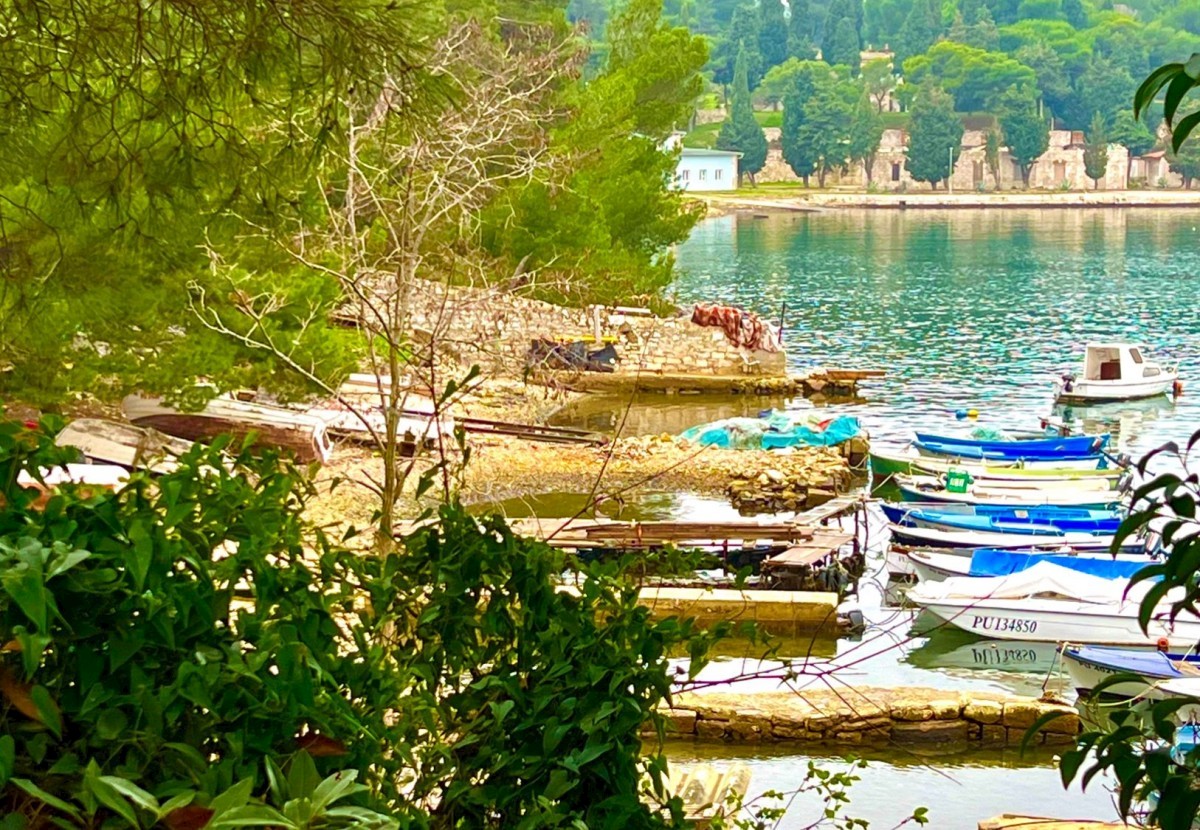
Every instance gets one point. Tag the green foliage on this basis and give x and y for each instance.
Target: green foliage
(845, 49)
(607, 224)
(866, 129)
(1075, 14)
(991, 155)
(129, 147)
(916, 35)
(1131, 133)
(835, 46)
(1040, 10)
(1186, 162)
(772, 34)
(1103, 87)
(1025, 131)
(800, 45)
(741, 34)
(1178, 79)
(741, 132)
(934, 136)
(975, 78)
(1051, 73)
(1095, 152)
(825, 131)
(178, 637)
(797, 152)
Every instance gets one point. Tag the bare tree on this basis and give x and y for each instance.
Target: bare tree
(406, 214)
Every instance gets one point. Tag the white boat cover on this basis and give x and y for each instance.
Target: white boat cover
(1044, 578)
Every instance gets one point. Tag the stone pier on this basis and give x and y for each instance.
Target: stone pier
(915, 718)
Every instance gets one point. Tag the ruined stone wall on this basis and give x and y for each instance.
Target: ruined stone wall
(495, 329)
(871, 716)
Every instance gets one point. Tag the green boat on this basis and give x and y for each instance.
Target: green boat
(885, 464)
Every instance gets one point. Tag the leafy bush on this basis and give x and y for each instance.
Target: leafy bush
(186, 633)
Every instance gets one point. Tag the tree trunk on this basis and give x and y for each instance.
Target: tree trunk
(1095, 184)
(1026, 169)
(821, 172)
(1128, 169)
(868, 163)
(805, 177)
(753, 181)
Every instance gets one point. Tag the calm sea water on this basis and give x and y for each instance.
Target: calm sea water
(967, 308)
(963, 309)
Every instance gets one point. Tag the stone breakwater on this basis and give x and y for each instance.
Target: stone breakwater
(915, 718)
(753, 480)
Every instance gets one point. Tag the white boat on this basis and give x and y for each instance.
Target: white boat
(934, 566)
(1115, 372)
(126, 445)
(106, 476)
(1010, 494)
(942, 538)
(1050, 604)
(1090, 666)
(278, 426)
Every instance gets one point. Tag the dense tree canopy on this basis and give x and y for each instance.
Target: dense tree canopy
(935, 136)
(1025, 131)
(742, 132)
(975, 78)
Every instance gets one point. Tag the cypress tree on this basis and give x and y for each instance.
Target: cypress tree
(845, 49)
(934, 136)
(741, 131)
(1095, 152)
(916, 35)
(772, 34)
(800, 45)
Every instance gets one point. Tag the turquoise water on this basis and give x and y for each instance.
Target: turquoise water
(967, 308)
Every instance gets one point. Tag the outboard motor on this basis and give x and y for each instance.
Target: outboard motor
(1068, 382)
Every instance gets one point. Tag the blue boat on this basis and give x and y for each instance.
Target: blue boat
(1068, 445)
(988, 562)
(1013, 453)
(1024, 520)
(1089, 666)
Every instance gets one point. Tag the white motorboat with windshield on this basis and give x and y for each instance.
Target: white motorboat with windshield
(1116, 372)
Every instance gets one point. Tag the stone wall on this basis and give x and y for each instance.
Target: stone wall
(495, 329)
(909, 717)
(1060, 167)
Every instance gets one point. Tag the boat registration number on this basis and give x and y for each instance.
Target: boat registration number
(1004, 624)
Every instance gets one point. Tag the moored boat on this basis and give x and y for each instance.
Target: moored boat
(939, 538)
(1047, 603)
(304, 435)
(934, 566)
(893, 462)
(1028, 520)
(1021, 448)
(1089, 666)
(1115, 372)
(1007, 494)
(126, 445)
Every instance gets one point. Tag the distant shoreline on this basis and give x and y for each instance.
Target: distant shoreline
(720, 204)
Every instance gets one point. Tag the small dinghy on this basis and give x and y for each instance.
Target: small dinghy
(1071, 494)
(304, 435)
(1026, 520)
(1116, 372)
(934, 566)
(886, 463)
(1089, 666)
(1049, 603)
(112, 442)
(939, 538)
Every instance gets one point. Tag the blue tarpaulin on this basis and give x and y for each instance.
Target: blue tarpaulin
(1003, 563)
(774, 431)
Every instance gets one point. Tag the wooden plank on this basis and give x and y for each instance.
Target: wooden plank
(841, 506)
(533, 432)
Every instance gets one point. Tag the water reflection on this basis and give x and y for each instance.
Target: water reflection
(964, 308)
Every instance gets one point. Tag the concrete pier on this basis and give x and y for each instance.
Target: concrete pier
(806, 611)
(934, 720)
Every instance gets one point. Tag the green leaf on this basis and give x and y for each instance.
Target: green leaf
(110, 724)
(1178, 88)
(47, 709)
(1146, 93)
(8, 758)
(303, 777)
(133, 792)
(41, 795)
(233, 798)
(250, 816)
(23, 583)
(1183, 129)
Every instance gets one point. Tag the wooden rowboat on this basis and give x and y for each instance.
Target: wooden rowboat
(276, 426)
(126, 445)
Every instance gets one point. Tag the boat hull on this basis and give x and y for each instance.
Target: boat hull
(1051, 621)
(1112, 391)
(935, 537)
(1088, 668)
(885, 464)
(1013, 497)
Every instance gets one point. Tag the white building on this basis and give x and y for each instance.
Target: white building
(700, 169)
(707, 169)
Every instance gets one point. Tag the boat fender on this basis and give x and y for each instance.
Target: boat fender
(960, 413)
(1177, 388)
(1163, 644)
(1068, 383)
(972, 413)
